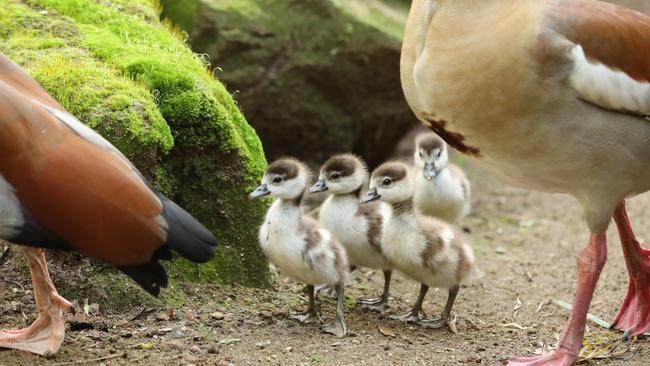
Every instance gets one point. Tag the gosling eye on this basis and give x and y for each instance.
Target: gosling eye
(421, 154)
(439, 152)
(387, 181)
(277, 180)
(335, 176)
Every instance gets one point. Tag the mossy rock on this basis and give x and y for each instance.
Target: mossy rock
(314, 77)
(114, 65)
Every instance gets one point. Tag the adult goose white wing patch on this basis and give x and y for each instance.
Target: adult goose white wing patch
(609, 55)
(608, 87)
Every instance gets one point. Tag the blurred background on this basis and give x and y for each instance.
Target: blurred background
(313, 77)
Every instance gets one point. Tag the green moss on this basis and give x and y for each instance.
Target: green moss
(199, 110)
(49, 47)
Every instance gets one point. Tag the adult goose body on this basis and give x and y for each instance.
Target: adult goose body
(549, 95)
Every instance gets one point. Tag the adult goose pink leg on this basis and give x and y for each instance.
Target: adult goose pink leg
(590, 263)
(45, 335)
(634, 316)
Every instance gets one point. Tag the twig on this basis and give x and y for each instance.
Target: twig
(143, 314)
(591, 317)
(22, 288)
(81, 362)
(89, 345)
(137, 359)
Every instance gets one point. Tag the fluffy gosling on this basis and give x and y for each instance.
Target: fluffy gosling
(426, 249)
(441, 188)
(296, 244)
(357, 226)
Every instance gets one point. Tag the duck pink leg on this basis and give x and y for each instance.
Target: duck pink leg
(590, 263)
(634, 315)
(45, 335)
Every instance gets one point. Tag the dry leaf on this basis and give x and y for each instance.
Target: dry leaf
(452, 325)
(514, 325)
(386, 332)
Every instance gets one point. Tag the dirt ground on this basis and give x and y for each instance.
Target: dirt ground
(526, 244)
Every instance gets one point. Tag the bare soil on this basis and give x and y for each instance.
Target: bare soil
(526, 244)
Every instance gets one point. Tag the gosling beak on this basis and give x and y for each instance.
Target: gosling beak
(370, 196)
(430, 171)
(320, 186)
(261, 191)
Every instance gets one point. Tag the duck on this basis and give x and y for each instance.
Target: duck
(295, 242)
(547, 95)
(441, 188)
(357, 226)
(427, 250)
(63, 186)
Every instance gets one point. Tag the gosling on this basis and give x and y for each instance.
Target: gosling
(296, 244)
(441, 188)
(426, 249)
(357, 226)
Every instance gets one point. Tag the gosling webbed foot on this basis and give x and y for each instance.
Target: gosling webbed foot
(412, 316)
(337, 327)
(435, 323)
(379, 304)
(309, 316)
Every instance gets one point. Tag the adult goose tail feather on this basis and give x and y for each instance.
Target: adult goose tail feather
(186, 235)
(150, 276)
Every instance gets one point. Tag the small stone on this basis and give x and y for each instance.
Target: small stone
(288, 349)
(263, 344)
(279, 313)
(228, 341)
(217, 315)
(195, 349)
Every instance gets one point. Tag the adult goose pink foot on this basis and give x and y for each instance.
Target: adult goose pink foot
(63, 186)
(548, 95)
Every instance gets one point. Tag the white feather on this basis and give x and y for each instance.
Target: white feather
(441, 197)
(11, 216)
(607, 87)
(284, 243)
(403, 244)
(339, 215)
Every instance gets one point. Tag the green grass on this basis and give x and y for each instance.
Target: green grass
(128, 35)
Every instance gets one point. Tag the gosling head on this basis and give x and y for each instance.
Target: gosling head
(285, 179)
(391, 182)
(341, 174)
(430, 155)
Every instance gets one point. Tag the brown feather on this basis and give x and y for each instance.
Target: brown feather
(84, 194)
(609, 34)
